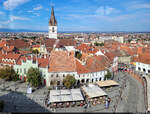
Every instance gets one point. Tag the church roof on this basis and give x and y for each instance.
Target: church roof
(52, 21)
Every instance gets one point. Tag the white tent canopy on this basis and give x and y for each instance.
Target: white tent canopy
(65, 92)
(55, 92)
(65, 95)
(93, 91)
(107, 83)
(55, 98)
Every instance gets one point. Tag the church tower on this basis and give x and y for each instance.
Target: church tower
(52, 26)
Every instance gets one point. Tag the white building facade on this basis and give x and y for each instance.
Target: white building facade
(142, 67)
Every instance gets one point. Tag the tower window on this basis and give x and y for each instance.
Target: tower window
(53, 30)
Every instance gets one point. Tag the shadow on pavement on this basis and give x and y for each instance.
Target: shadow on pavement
(18, 102)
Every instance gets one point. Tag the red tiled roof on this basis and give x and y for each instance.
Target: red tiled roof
(62, 61)
(24, 52)
(81, 69)
(49, 49)
(66, 42)
(61, 42)
(143, 58)
(93, 64)
(112, 54)
(2, 43)
(9, 56)
(43, 62)
(22, 58)
(131, 51)
(36, 46)
(12, 56)
(18, 43)
(49, 42)
(87, 49)
(8, 48)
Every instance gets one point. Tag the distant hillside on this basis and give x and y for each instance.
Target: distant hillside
(27, 30)
(19, 30)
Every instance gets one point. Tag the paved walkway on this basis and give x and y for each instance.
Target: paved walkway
(133, 97)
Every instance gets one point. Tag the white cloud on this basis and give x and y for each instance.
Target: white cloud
(38, 7)
(2, 13)
(106, 10)
(133, 5)
(13, 18)
(12, 4)
(4, 24)
(140, 6)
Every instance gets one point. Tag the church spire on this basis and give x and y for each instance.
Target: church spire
(52, 21)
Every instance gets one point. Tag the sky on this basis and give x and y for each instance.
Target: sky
(76, 15)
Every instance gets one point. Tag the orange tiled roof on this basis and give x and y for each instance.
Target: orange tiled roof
(87, 49)
(143, 58)
(2, 43)
(18, 43)
(112, 54)
(36, 46)
(8, 48)
(43, 62)
(24, 52)
(93, 64)
(12, 56)
(81, 69)
(9, 56)
(62, 61)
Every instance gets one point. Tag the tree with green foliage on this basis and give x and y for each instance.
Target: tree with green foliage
(34, 77)
(69, 81)
(98, 44)
(108, 75)
(9, 74)
(129, 40)
(78, 55)
(35, 51)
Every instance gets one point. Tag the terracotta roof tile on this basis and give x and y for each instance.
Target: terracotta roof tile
(18, 43)
(36, 46)
(87, 49)
(8, 48)
(93, 64)
(12, 56)
(62, 61)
